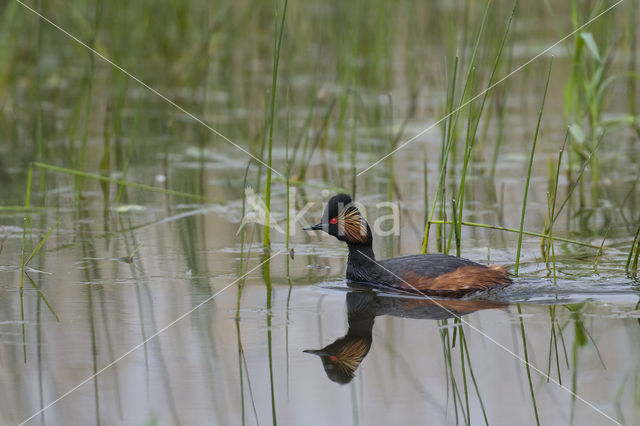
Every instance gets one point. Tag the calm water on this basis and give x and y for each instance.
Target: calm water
(159, 309)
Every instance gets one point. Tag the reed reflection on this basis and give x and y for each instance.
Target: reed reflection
(342, 358)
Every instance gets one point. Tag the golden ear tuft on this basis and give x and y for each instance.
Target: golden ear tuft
(353, 225)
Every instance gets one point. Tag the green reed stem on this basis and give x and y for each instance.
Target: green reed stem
(276, 60)
(4, 238)
(553, 342)
(552, 210)
(27, 198)
(634, 253)
(447, 345)
(446, 148)
(354, 146)
(595, 261)
(38, 89)
(240, 372)
(526, 359)
(586, 162)
(526, 185)
(287, 317)
(474, 122)
(41, 243)
(267, 277)
(320, 134)
(464, 347)
(288, 179)
(502, 228)
(97, 15)
(127, 160)
(127, 183)
(243, 232)
(457, 228)
(449, 131)
(574, 375)
(463, 367)
(392, 146)
(22, 209)
(21, 290)
(42, 296)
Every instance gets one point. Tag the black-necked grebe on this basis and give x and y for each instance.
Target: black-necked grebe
(430, 274)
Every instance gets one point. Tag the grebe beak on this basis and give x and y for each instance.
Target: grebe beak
(316, 227)
(319, 352)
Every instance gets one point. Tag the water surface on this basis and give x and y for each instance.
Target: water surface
(156, 308)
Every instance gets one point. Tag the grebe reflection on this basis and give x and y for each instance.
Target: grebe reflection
(341, 358)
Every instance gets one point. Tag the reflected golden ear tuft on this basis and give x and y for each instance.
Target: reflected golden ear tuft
(351, 355)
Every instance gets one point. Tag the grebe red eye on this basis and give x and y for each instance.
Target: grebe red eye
(333, 220)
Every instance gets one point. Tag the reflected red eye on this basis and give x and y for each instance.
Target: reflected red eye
(333, 221)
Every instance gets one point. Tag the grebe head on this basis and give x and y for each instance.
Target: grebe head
(342, 219)
(342, 358)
